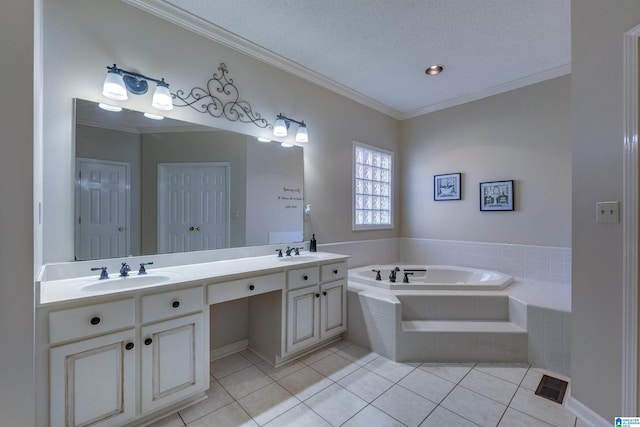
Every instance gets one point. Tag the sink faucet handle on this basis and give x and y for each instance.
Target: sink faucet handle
(377, 274)
(125, 269)
(142, 270)
(298, 251)
(279, 253)
(406, 276)
(103, 272)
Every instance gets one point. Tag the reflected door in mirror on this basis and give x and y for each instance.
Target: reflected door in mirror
(193, 206)
(102, 222)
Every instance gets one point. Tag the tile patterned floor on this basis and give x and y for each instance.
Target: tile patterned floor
(347, 385)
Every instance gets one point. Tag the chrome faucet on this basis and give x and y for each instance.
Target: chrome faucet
(289, 250)
(392, 275)
(103, 273)
(124, 270)
(297, 251)
(406, 276)
(142, 270)
(279, 253)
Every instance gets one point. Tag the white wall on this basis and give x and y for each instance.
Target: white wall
(597, 32)
(20, 85)
(80, 42)
(521, 135)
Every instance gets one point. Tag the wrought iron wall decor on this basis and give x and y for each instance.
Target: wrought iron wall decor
(220, 98)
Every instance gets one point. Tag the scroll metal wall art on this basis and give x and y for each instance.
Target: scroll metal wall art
(220, 98)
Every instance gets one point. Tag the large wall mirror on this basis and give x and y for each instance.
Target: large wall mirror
(147, 186)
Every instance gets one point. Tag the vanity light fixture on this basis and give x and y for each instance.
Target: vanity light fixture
(153, 116)
(263, 139)
(280, 129)
(119, 83)
(109, 107)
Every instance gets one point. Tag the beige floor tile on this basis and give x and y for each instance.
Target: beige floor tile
(217, 397)
(228, 365)
(512, 372)
(335, 404)
(250, 356)
(479, 409)
(453, 372)
(513, 418)
(315, 356)
(231, 415)
(334, 367)
(244, 382)
(427, 385)
(404, 405)
(357, 354)
(298, 416)
(305, 383)
(393, 371)
(489, 386)
(442, 417)
(170, 421)
(365, 384)
(372, 416)
(538, 407)
(268, 403)
(282, 371)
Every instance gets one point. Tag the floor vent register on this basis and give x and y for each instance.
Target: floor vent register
(552, 388)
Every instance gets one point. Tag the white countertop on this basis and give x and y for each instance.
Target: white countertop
(63, 290)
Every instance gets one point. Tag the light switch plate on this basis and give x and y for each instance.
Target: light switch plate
(608, 212)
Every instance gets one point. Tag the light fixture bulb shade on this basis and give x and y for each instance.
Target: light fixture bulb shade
(302, 135)
(162, 98)
(114, 87)
(280, 129)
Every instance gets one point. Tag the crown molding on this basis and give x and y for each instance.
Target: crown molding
(495, 90)
(186, 20)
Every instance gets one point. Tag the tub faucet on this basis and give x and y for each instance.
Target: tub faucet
(392, 275)
(406, 276)
(124, 270)
(377, 274)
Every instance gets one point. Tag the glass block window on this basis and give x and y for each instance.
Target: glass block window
(372, 187)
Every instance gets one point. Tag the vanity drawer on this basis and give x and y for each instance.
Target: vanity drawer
(171, 304)
(331, 272)
(95, 319)
(301, 277)
(227, 291)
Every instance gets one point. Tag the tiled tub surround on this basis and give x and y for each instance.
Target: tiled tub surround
(526, 322)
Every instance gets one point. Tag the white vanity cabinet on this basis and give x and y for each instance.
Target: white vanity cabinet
(149, 349)
(316, 312)
(92, 380)
(173, 353)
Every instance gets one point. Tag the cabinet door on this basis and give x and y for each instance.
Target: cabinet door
(173, 363)
(333, 308)
(303, 316)
(92, 382)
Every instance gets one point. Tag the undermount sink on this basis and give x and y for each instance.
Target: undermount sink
(294, 258)
(129, 282)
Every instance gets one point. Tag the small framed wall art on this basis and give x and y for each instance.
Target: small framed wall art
(447, 187)
(497, 196)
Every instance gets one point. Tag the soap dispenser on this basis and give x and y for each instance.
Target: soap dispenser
(312, 244)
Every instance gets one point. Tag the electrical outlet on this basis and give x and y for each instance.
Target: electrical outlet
(608, 212)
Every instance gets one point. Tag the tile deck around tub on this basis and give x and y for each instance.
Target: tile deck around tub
(347, 385)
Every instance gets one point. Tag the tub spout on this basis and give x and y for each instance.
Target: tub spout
(392, 275)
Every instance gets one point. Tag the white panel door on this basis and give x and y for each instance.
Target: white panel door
(102, 195)
(303, 318)
(193, 206)
(333, 308)
(92, 382)
(172, 360)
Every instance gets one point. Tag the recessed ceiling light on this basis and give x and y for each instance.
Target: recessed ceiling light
(153, 116)
(433, 70)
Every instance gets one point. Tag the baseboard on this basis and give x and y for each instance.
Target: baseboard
(218, 353)
(586, 414)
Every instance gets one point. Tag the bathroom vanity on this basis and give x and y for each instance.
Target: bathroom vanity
(124, 351)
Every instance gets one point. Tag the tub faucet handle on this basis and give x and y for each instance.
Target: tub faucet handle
(377, 274)
(406, 276)
(392, 274)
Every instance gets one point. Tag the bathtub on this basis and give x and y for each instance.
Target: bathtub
(431, 277)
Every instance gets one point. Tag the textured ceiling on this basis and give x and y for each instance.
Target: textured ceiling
(379, 49)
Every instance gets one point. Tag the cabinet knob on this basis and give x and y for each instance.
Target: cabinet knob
(335, 271)
(317, 295)
(251, 287)
(129, 346)
(305, 277)
(95, 320)
(192, 228)
(148, 341)
(324, 293)
(175, 304)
